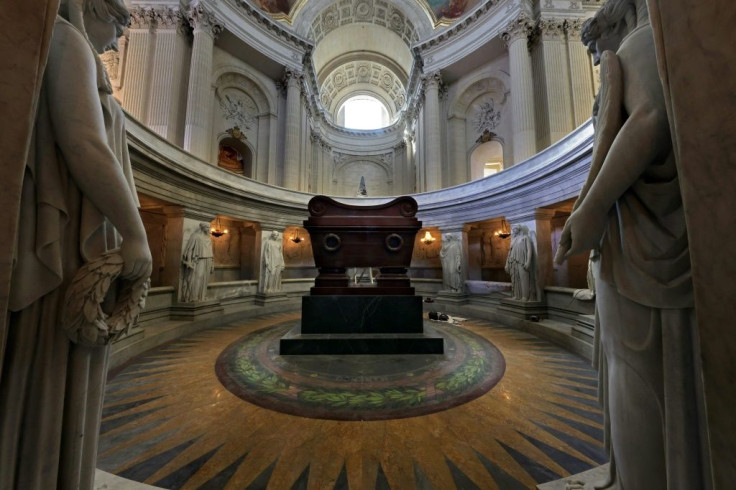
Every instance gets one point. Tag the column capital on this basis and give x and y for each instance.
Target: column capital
(169, 18)
(551, 29)
(573, 28)
(202, 20)
(142, 18)
(433, 79)
(519, 28)
(291, 77)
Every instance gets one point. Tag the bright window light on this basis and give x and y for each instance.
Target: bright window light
(365, 112)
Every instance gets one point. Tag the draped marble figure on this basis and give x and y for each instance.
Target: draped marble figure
(78, 202)
(451, 256)
(630, 210)
(198, 263)
(521, 264)
(273, 263)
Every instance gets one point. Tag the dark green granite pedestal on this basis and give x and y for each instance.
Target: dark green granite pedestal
(353, 324)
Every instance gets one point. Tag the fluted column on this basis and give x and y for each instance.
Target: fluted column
(581, 73)
(140, 49)
(516, 37)
(199, 101)
(261, 157)
(555, 73)
(458, 155)
(410, 175)
(292, 81)
(167, 73)
(432, 143)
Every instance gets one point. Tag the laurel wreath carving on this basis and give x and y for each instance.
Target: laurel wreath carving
(83, 319)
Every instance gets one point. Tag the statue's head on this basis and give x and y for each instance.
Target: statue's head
(204, 227)
(608, 27)
(102, 21)
(274, 235)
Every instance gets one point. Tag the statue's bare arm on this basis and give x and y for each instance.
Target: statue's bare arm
(643, 138)
(77, 118)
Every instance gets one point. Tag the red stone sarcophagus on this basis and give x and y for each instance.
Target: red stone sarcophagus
(379, 236)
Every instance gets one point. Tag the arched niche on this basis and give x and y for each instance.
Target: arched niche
(235, 156)
(486, 159)
(348, 172)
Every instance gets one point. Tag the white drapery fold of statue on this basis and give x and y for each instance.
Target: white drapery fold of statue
(51, 389)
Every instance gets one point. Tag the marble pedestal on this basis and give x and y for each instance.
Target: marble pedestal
(449, 297)
(523, 309)
(269, 298)
(351, 324)
(199, 310)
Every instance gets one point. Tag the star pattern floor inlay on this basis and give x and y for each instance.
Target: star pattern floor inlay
(168, 421)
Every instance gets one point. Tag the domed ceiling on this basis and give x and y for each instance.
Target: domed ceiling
(439, 11)
(363, 47)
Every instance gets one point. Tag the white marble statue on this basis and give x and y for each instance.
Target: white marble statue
(521, 264)
(273, 263)
(198, 263)
(78, 194)
(451, 255)
(630, 209)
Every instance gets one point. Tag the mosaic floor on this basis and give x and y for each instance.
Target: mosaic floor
(500, 410)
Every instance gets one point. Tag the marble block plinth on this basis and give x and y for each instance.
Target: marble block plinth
(298, 343)
(343, 324)
(343, 314)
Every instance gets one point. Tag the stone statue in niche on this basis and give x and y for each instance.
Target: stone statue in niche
(451, 255)
(273, 263)
(198, 263)
(521, 264)
(78, 205)
(630, 210)
(362, 190)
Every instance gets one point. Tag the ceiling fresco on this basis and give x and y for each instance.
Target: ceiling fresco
(438, 10)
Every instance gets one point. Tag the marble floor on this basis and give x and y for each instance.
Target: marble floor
(516, 411)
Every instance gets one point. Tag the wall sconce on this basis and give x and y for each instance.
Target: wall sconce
(504, 232)
(428, 238)
(217, 231)
(296, 239)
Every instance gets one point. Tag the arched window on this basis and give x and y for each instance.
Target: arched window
(363, 112)
(486, 159)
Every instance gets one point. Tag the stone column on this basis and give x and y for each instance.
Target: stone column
(399, 165)
(292, 80)
(458, 155)
(581, 73)
(410, 175)
(432, 142)
(140, 49)
(555, 105)
(516, 38)
(168, 72)
(197, 137)
(273, 148)
(260, 159)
